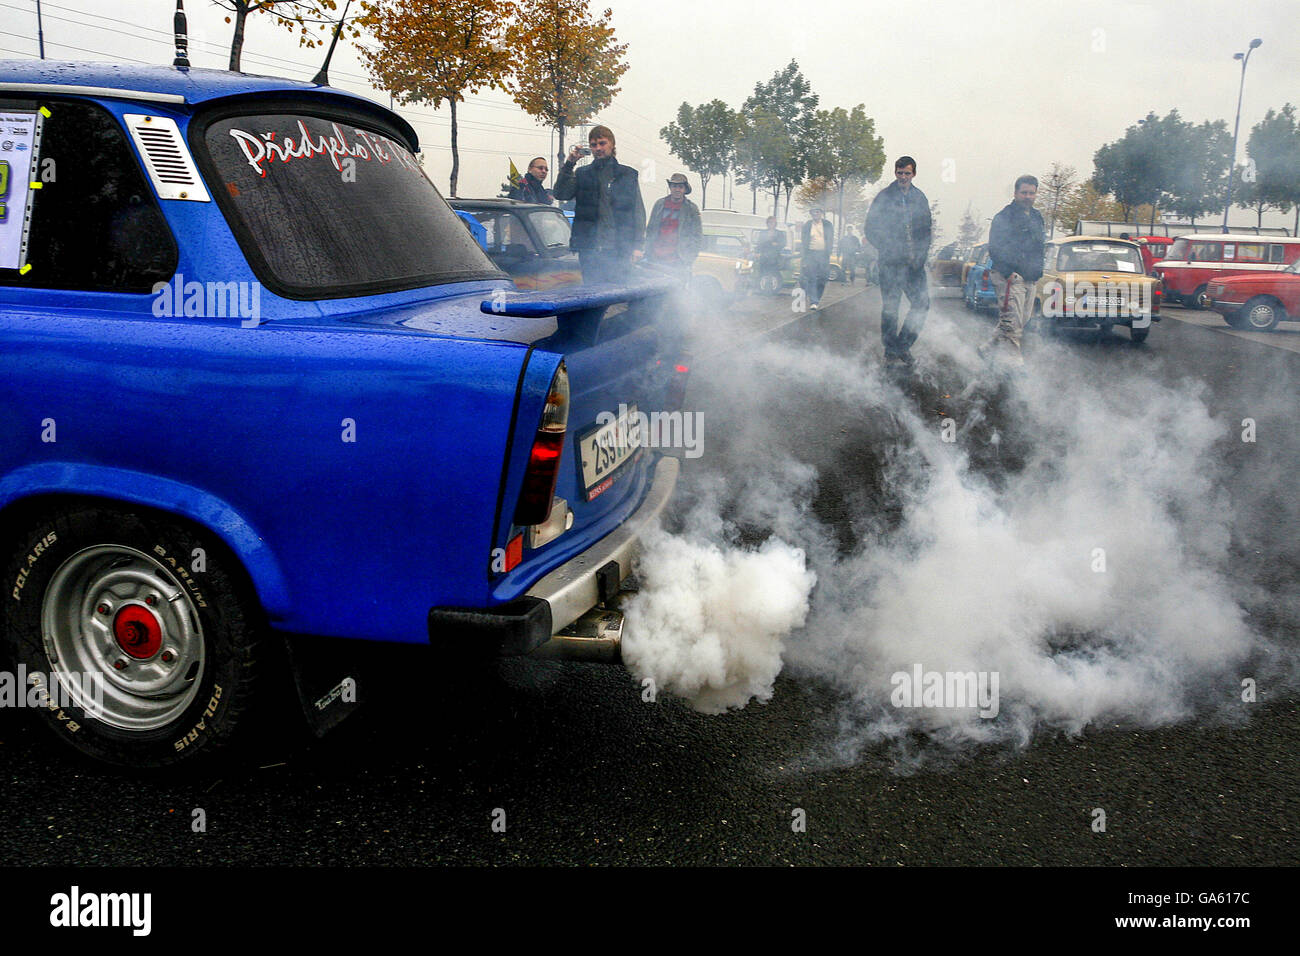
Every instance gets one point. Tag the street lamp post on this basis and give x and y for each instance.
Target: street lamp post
(1236, 125)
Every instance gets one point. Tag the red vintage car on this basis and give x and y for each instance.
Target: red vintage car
(1257, 302)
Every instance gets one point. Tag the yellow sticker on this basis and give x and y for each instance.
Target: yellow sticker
(36, 184)
(25, 269)
(46, 114)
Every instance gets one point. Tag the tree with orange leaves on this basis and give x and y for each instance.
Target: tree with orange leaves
(566, 63)
(435, 51)
(298, 15)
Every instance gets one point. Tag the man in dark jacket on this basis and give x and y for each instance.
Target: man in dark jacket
(898, 225)
(532, 188)
(1016, 244)
(850, 246)
(608, 217)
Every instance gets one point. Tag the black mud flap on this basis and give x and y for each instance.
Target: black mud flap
(327, 678)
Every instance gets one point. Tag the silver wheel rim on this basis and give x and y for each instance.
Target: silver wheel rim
(1261, 316)
(123, 637)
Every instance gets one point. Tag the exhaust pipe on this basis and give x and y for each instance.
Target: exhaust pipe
(597, 636)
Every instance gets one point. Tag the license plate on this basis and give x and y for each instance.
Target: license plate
(607, 448)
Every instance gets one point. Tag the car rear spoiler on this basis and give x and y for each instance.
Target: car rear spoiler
(582, 298)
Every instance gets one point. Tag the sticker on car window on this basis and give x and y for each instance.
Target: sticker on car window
(20, 140)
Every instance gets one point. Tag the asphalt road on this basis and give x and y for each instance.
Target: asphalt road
(582, 771)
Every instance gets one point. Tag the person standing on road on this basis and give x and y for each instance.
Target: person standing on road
(850, 247)
(771, 243)
(673, 233)
(1016, 246)
(816, 253)
(532, 188)
(608, 215)
(898, 225)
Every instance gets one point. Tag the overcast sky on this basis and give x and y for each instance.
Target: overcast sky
(979, 91)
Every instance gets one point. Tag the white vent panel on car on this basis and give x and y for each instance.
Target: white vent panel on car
(166, 157)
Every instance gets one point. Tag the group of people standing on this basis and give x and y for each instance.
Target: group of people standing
(609, 224)
(609, 219)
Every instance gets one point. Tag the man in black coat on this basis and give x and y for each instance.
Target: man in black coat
(532, 188)
(898, 225)
(609, 216)
(1016, 245)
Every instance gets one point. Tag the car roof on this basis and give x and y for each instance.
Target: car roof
(167, 84)
(1112, 239)
(1236, 237)
(457, 203)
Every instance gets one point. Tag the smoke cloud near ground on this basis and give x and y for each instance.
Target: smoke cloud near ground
(1068, 531)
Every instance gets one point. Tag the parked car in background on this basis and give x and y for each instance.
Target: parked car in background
(947, 265)
(1154, 249)
(977, 256)
(1257, 302)
(1094, 283)
(527, 241)
(720, 271)
(259, 386)
(978, 293)
(1193, 262)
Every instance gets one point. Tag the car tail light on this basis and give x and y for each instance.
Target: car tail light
(544, 459)
(984, 282)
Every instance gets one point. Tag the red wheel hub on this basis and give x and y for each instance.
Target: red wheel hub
(137, 631)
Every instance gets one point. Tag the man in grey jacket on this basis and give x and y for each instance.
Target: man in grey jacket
(898, 225)
(673, 234)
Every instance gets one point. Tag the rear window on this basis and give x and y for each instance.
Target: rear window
(327, 205)
(1099, 257)
(552, 227)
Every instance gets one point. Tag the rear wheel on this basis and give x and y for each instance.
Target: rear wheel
(1138, 336)
(1261, 314)
(139, 631)
(708, 293)
(1199, 299)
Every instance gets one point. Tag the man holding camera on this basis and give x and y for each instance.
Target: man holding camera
(608, 215)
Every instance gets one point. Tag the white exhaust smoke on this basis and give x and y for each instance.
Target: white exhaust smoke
(1073, 540)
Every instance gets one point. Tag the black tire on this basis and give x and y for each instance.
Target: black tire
(1199, 300)
(836, 274)
(1138, 336)
(121, 600)
(1261, 314)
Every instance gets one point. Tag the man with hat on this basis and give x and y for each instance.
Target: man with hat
(608, 215)
(674, 230)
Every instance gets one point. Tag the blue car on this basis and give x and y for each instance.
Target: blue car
(260, 385)
(977, 291)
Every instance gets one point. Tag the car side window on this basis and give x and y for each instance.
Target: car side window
(95, 223)
(1049, 261)
(1276, 252)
